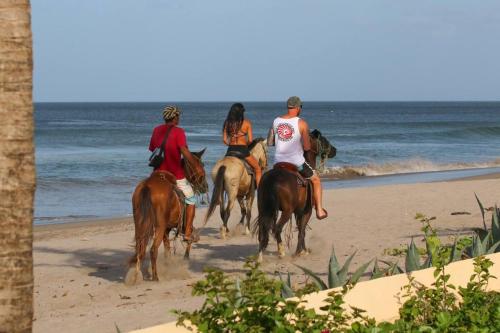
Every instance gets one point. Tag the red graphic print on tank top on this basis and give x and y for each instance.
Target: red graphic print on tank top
(285, 132)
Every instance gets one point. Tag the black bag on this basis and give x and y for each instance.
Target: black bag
(158, 155)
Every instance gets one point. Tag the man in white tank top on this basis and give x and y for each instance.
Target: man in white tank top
(290, 135)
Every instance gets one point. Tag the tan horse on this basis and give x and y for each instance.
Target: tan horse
(157, 210)
(230, 177)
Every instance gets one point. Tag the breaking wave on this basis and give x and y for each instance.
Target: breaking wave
(398, 167)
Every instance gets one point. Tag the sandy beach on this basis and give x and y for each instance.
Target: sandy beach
(80, 267)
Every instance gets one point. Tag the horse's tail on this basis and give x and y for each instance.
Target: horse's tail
(218, 192)
(268, 210)
(145, 220)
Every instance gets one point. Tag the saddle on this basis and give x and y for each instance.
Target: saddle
(167, 176)
(301, 181)
(240, 156)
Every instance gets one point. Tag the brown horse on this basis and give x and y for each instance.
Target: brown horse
(230, 176)
(280, 190)
(158, 209)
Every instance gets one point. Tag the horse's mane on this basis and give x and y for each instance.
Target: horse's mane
(254, 143)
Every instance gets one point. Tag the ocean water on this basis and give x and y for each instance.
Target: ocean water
(90, 156)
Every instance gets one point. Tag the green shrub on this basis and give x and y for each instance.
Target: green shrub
(255, 304)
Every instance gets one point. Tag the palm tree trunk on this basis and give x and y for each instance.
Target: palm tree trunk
(17, 169)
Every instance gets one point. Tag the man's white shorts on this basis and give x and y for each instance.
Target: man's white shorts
(187, 189)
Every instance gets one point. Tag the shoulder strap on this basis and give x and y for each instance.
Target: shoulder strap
(162, 147)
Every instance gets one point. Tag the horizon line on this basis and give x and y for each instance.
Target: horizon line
(284, 101)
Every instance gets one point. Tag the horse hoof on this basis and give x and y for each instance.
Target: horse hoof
(247, 231)
(133, 277)
(224, 232)
(303, 253)
(281, 250)
(260, 258)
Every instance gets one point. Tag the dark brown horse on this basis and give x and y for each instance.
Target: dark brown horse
(158, 209)
(281, 190)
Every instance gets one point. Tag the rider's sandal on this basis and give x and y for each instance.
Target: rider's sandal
(322, 217)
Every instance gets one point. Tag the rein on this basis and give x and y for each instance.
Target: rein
(322, 152)
(198, 181)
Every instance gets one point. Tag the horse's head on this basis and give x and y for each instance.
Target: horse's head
(258, 148)
(195, 174)
(321, 146)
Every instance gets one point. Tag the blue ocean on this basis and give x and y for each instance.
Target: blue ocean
(90, 156)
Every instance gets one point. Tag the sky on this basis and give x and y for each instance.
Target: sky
(265, 50)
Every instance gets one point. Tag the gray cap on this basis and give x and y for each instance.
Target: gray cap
(294, 102)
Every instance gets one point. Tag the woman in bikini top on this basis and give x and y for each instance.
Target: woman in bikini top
(237, 134)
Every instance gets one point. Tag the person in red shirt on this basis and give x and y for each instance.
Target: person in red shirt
(176, 148)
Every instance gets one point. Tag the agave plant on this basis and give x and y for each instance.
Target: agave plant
(412, 259)
(391, 268)
(486, 240)
(481, 246)
(286, 287)
(337, 276)
(436, 252)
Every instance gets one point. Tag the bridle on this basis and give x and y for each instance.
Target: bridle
(198, 181)
(321, 150)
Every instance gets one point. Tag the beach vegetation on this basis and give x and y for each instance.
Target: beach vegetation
(486, 240)
(259, 303)
(256, 304)
(389, 268)
(337, 275)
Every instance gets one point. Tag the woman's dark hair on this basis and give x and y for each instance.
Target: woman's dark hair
(234, 119)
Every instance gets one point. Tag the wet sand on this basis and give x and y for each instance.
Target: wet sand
(80, 267)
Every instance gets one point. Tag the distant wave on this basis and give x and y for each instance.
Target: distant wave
(58, 219)
(406, 166)
(59, 183)
(436, 133)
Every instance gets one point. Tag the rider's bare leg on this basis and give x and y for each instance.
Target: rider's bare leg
(256, 167)
(317, 195)
(190, 212)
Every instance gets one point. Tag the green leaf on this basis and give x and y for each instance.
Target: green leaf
(345, 269)
(376, 271)
(493, 248)
(495, 224)
(412, 260)
(393, 268)
(333, 269)
(482, 210)
(286, 287)
(239, 297)
(455, 253)
(428, 261)
(481, 233)
(477, 249)
(317, 280)
(359, 272)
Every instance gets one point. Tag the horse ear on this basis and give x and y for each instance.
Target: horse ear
(315, 133)
(201, 152)
(265, 143)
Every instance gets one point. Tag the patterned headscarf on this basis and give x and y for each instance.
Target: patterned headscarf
(170, 112)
